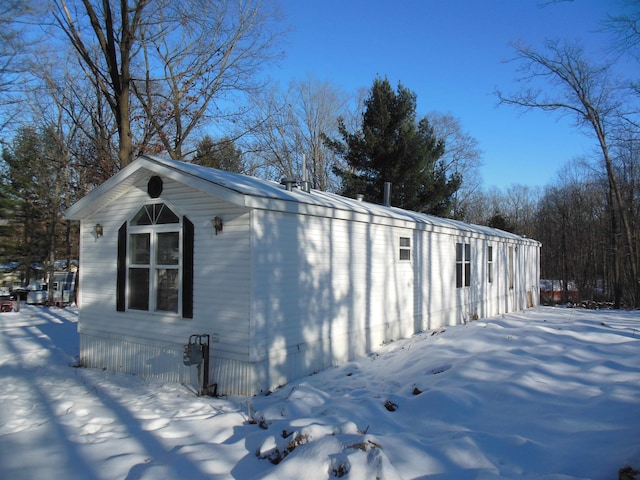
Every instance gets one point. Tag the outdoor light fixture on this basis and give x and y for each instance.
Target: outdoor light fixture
(217, 224)
(99, 230)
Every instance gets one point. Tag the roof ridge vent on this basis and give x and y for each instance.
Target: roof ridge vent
(289, 183)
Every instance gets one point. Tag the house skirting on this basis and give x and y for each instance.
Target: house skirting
(277, 365)
(233, 377)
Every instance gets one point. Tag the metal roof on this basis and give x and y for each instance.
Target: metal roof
(255, 192)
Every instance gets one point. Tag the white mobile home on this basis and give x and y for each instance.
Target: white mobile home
(284, 281)
(64, 284)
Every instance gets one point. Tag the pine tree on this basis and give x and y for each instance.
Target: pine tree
(223, 155)
(392, 146)
(23, 179)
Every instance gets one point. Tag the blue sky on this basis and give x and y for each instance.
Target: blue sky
(452, 54)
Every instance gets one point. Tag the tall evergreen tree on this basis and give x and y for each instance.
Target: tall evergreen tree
(392, 146)
(223, 155)
(24, 171)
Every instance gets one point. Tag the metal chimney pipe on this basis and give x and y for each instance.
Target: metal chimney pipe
(387, 194)
(305, 179)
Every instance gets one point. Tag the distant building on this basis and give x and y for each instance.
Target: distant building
(552, 292)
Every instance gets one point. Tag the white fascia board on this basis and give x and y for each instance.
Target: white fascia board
(103, 195)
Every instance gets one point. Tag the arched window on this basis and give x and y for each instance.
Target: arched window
(155, 262)
(154, 214)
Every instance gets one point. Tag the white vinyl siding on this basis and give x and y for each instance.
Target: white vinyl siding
(221, 276)
(287, 287)
(321, 290)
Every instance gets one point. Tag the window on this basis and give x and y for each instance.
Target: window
(155, 262)
(489, 264)
(405, 248)
(155, 214)
(511, 265)
(463, 265)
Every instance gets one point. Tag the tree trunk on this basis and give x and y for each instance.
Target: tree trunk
(52, 257)
(125, 151)
(615, 249)
(621, 210)
(565, 274)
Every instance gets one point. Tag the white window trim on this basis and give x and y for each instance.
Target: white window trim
(511, 260)
(462, 263)
(153, 266)
(404, 248)
(490, 269)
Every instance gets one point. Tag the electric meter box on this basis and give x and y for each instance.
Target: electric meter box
(192, 354)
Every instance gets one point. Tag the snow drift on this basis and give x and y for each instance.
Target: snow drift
(551, 393)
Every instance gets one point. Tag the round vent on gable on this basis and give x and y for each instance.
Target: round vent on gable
(154, 187)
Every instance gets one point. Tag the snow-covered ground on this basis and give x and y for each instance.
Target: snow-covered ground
(551, 393)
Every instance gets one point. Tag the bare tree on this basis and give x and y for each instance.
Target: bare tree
(462, 157)
(625, 28)
(522, 206)
(183, 60)
(573, 227)
(271, 142)
(513, 209)
(289, 124)
(318, 106)
(198, 58)
(62, 87)
(586, 92)
(56, 111)
(104, 37)
(627, 166)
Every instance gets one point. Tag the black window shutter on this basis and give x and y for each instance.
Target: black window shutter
(122, 268)
(187, 268)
